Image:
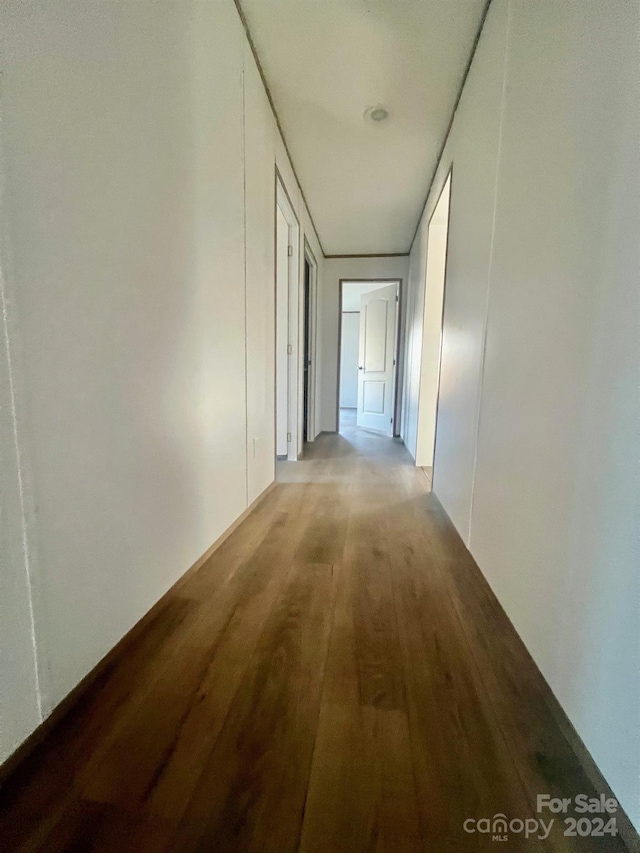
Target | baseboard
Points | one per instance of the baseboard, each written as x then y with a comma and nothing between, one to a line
11,764
626,829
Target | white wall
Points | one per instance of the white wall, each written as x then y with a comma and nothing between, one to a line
259,157
353,269
537,454
349,343
139,164
19,697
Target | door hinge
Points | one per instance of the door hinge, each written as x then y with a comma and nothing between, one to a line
397,298
290,251
289,349
288,436
394,361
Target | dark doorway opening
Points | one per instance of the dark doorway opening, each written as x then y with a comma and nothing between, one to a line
306,349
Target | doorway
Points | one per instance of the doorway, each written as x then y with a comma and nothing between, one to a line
306,362
287,253
309,295
368,355
431,356
296,272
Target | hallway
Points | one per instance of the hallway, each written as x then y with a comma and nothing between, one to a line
337,677
347,420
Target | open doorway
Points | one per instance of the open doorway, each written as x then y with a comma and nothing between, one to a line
368,355
309,345
306,361
435,283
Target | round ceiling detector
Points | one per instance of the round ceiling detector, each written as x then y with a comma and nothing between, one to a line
376,114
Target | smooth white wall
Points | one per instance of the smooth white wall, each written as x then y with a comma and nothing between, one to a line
259,158
19,698
537,454
352,269
349,342
139,163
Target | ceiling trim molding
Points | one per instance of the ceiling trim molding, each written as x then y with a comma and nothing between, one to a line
374,255
472,54
245,26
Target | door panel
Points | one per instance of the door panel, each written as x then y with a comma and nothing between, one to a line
375,342
373,397
376,368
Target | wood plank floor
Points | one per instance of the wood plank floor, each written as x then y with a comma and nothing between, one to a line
337,677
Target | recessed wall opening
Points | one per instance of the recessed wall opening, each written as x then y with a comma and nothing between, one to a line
309,330
435,281
368,358
282,301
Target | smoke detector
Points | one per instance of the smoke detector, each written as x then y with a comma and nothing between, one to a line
376,114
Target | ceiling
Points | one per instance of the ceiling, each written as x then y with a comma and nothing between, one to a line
326,62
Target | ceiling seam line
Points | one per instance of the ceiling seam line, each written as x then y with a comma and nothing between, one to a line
472,54
245,26
371,255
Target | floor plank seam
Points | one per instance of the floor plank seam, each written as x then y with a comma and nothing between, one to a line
320,704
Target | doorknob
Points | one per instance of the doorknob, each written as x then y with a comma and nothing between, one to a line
360,368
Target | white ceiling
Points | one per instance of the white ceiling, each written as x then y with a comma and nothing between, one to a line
326,62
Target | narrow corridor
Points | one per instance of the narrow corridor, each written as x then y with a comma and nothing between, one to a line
337,677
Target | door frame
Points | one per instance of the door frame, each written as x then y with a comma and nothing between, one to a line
283,201
448,177
397,347
312,332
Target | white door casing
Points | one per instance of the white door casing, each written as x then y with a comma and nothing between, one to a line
294,320
376,364
282,333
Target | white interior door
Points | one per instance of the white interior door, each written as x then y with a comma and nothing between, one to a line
376,362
